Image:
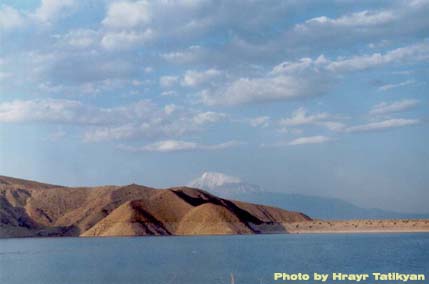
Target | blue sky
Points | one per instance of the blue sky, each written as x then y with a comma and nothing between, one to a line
316,97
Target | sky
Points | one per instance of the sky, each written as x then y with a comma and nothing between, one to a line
325,98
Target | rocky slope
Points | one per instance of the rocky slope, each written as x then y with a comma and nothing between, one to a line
31,209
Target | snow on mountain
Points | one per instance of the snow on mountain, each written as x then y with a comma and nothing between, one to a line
223,185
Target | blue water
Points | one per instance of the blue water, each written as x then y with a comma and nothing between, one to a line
207,260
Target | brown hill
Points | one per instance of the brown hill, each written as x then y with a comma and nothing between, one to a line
29,209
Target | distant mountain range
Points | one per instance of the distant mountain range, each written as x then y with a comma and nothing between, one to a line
315,206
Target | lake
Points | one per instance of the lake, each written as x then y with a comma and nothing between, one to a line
207,260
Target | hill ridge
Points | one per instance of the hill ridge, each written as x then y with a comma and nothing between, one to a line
32,209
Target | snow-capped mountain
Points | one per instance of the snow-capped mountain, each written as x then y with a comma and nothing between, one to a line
223,185
232,187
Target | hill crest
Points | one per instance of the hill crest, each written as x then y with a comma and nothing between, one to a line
31,209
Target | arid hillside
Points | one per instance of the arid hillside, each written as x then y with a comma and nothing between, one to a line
32,209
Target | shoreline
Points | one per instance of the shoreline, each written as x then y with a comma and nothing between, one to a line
358,226
346,227
228,235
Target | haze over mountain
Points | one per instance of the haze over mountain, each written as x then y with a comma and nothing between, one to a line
315,206
30,209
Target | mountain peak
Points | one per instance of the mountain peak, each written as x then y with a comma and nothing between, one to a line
222,184
210,180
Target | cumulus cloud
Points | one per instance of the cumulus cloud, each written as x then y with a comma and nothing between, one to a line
208,117
80,38
110,54
125,39
127,14
411,53
359,19
10,18
194,78
301,117
390,22
51,9
141,119
51,110
73,70
47,12
178,145
382,125
61,111
271,87
158,123
385,108
306,77
310,140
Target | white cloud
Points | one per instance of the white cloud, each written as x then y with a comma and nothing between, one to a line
398,19
392,86
305,77
178,145
333,125
359,19
51,9
126,14
385,108
189,55
300,66
121,132
411,53
81,38
141,119
208,117
194,78
260,121
168,81
301,117
167,122
269,88
61,111
125,39
382,125
310,140
169,109
169,94
10,18
418,3
47,12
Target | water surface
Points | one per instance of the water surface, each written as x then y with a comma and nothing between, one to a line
206,260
